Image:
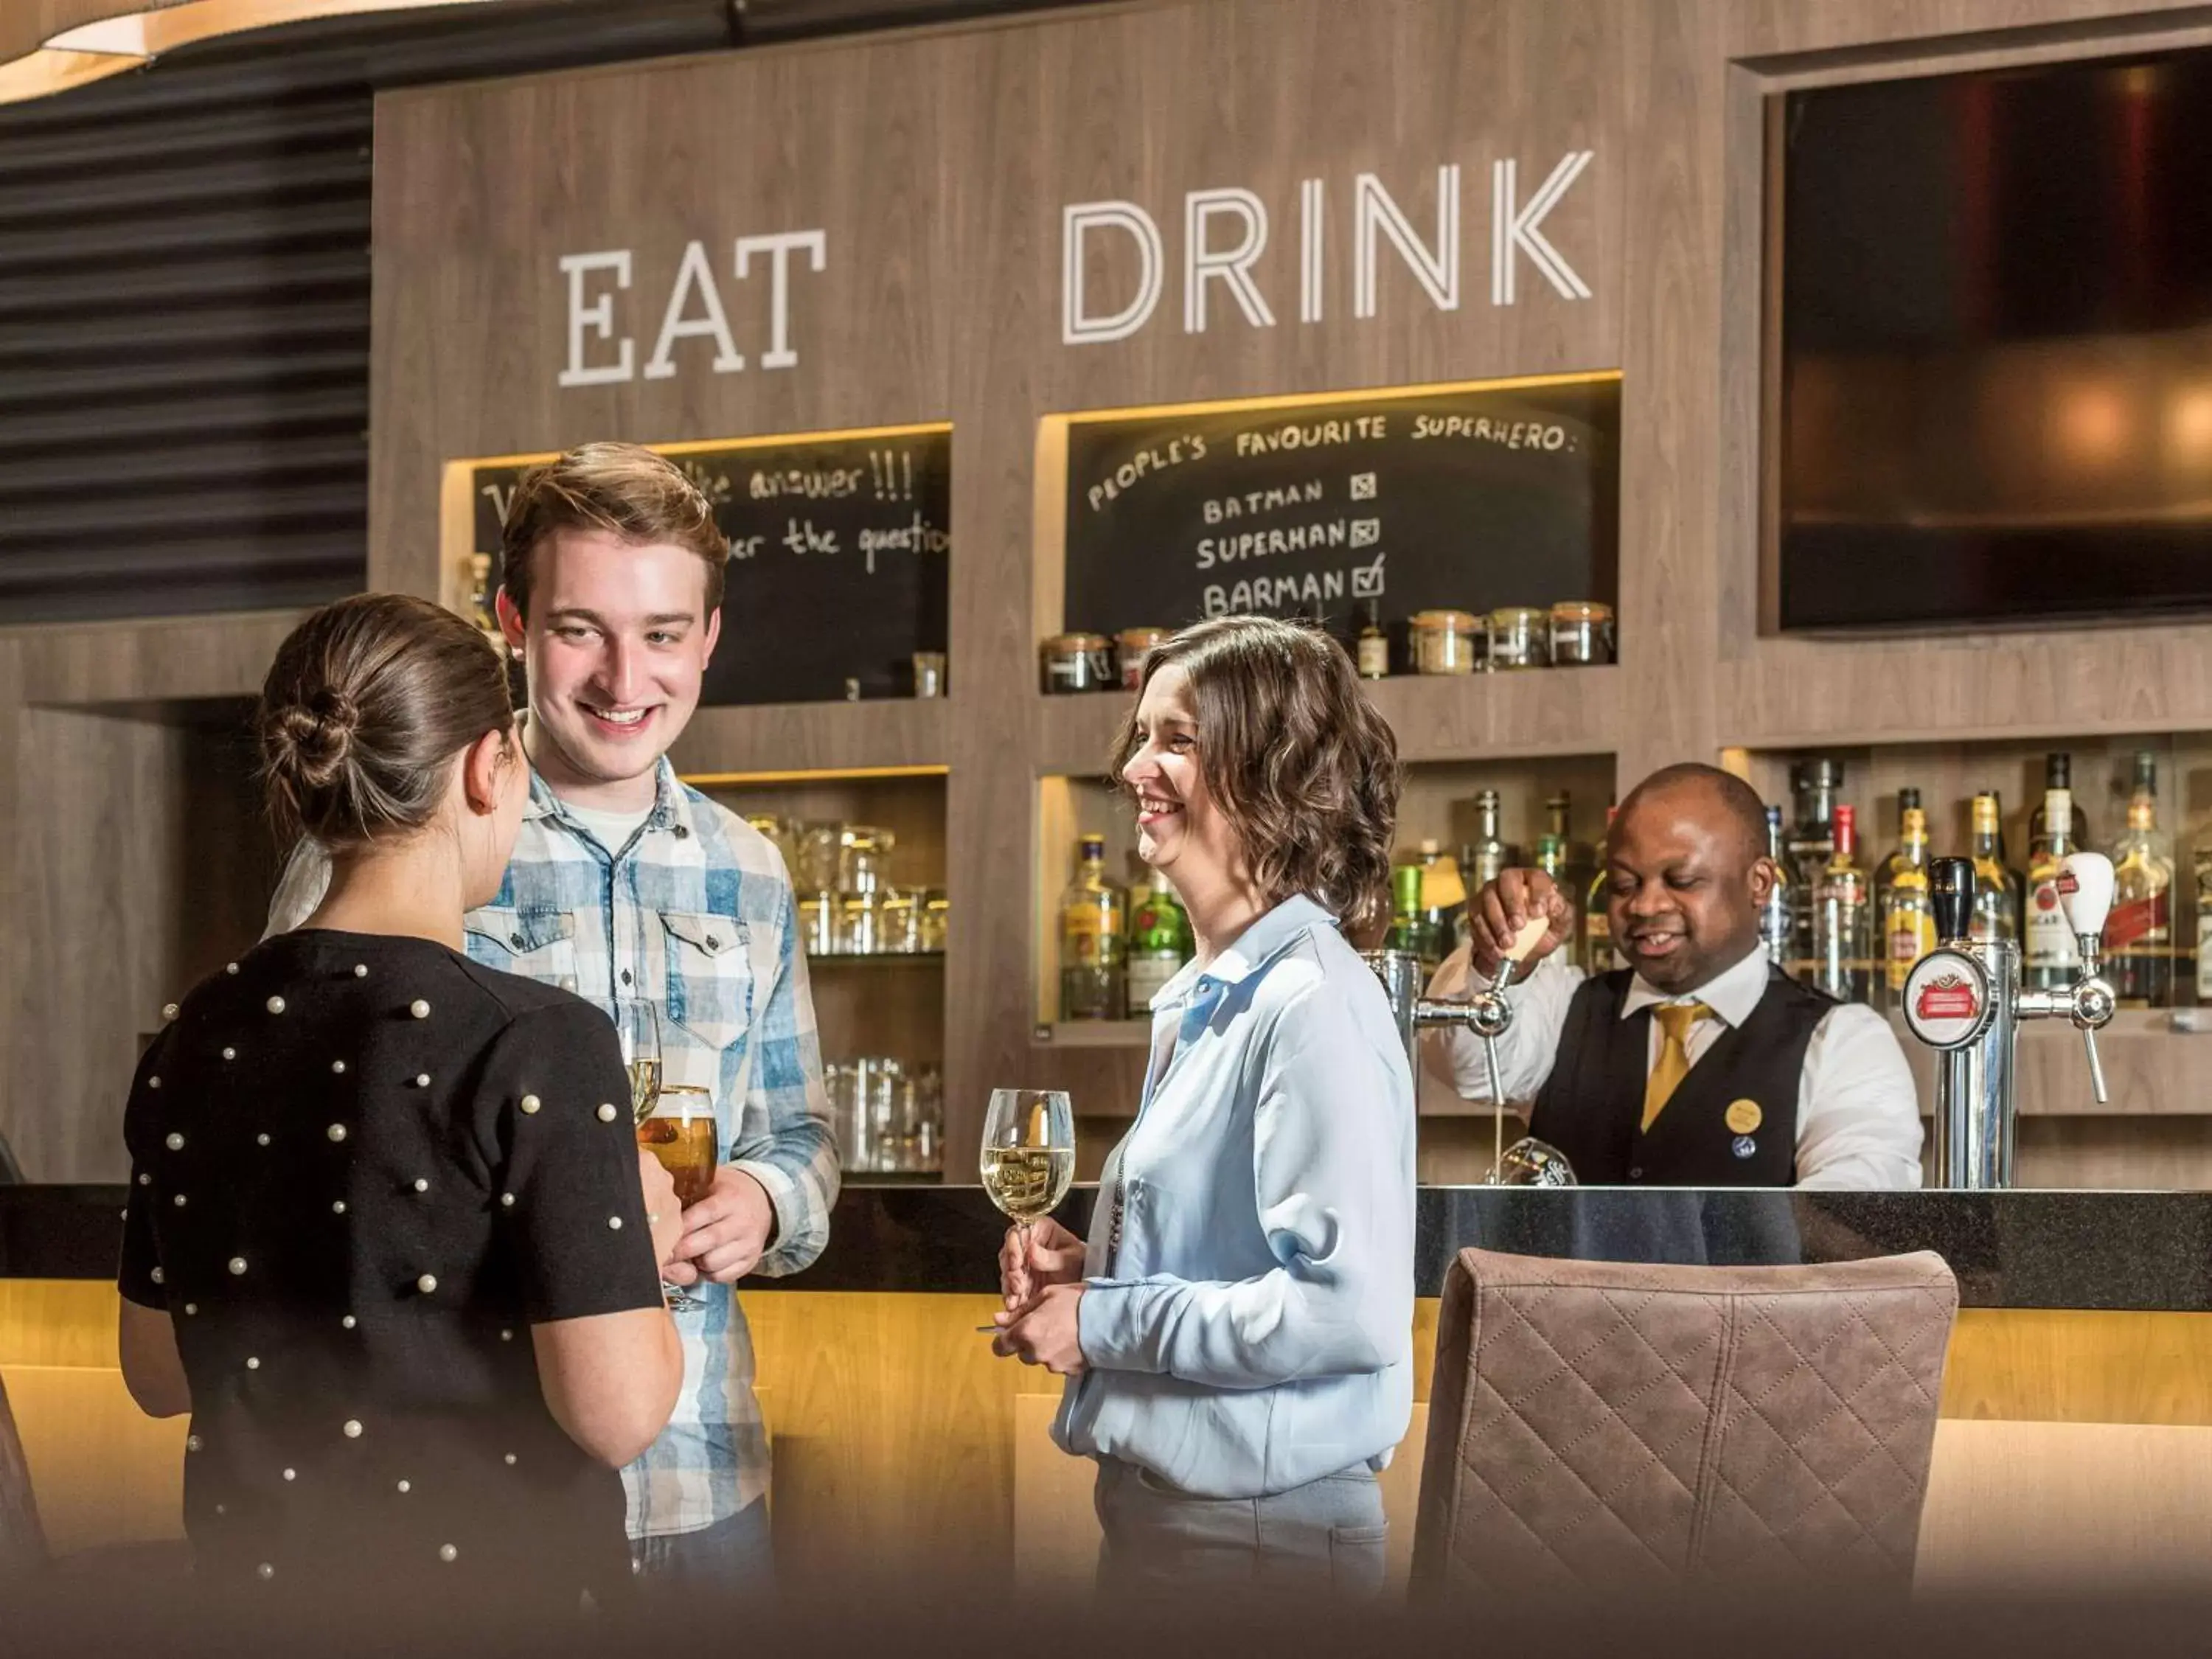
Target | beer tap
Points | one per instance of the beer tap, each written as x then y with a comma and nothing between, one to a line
1964,999
1486,1013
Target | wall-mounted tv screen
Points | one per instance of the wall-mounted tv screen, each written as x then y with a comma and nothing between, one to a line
1996,347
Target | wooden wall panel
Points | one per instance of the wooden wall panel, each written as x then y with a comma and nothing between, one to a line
941,300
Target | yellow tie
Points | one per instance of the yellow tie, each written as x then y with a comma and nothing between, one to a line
1675,1019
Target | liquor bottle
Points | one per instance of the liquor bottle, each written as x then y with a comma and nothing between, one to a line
2049,957
1579,859
1572,862
1843,919
1093,913
481,609
1487,855
1597,956
2139,934
1995,914
1810,844
1372,649
1777,919
1443,905
2057,774
1405,924
1160,943
1550,857
1902,901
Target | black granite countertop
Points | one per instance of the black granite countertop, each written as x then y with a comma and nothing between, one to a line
2013,1250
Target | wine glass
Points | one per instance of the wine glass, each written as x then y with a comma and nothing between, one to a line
683,1139
1529,1162
639,1025
679,1130
1029,1154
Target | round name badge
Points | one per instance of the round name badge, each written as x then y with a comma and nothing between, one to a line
1744,1117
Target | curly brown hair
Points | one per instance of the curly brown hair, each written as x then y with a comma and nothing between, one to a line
624,489
1305,770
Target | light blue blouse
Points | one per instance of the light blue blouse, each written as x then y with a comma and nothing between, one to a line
1250,1328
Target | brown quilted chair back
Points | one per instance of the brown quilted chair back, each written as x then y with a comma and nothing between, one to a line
1626,1428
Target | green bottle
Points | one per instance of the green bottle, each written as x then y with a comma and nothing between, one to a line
1160,943
1409,930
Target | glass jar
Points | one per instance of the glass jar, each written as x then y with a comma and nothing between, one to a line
1443,641
1582,634
1131,647
934,912
863,857
778,833
1078,662
860,924
929,673
878,1084
818,924
820,847
899,919
1519,637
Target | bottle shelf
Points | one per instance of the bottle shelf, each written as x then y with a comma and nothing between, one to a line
875,959
1436,717
1094,1033
2151,1069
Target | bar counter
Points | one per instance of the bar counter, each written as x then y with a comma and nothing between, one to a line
2075,1439
2105,1250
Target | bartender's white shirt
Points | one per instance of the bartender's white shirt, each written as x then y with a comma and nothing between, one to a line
1858,1116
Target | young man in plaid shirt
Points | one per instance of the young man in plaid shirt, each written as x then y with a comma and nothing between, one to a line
627,886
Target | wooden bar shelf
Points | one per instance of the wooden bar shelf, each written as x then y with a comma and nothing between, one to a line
887,737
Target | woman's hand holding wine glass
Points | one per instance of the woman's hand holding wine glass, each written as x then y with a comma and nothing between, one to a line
1029,1158
1033,1259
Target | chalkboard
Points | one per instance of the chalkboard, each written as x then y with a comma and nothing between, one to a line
837,560
1464,498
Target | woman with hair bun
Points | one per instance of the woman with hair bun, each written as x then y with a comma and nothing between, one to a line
390,1239
1238,1332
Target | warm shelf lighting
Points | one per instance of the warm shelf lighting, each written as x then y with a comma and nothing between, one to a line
108,45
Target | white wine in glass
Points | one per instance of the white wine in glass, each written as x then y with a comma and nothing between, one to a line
1029,1151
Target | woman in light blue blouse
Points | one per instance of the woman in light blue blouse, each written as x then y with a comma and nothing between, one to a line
1237,1332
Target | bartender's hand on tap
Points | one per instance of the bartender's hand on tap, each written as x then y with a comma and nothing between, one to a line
1497,914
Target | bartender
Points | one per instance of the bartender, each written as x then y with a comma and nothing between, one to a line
1699,1063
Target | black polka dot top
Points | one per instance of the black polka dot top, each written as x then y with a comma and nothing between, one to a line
362,1166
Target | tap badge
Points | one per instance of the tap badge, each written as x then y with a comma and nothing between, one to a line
1947,996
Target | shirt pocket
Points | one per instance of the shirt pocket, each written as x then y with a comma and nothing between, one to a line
540,944
710,976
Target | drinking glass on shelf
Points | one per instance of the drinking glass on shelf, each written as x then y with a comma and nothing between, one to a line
1029,1153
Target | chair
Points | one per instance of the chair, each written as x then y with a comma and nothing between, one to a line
1626,1428
22,1542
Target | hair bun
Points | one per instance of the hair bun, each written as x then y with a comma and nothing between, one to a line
316,736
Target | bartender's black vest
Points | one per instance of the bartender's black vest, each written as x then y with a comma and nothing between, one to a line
1592,1106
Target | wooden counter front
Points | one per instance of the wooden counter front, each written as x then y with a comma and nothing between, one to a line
901,1443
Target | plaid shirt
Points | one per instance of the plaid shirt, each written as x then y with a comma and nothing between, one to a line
695,914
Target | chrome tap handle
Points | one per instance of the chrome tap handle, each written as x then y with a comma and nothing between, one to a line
1496,1083
2096,1070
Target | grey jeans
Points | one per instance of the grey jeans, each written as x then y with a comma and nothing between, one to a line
1325,1537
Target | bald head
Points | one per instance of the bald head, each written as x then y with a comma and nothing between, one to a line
1685,875
1707,790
